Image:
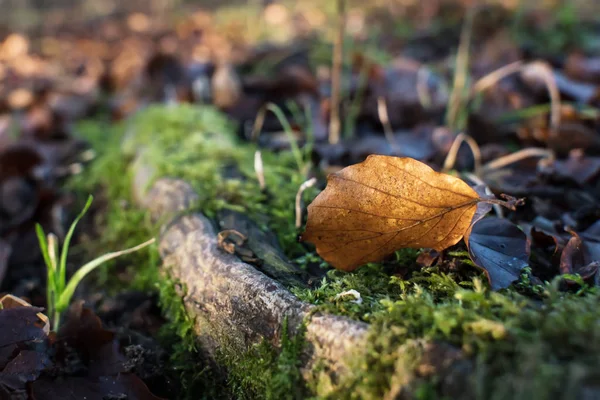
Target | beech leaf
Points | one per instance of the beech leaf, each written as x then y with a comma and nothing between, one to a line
369,210
500,248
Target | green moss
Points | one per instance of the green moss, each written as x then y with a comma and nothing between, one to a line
378,283
119,224
198,145
520,349
189,366
266,372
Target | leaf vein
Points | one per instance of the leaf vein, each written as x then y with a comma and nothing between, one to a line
427,183
365,212
397,196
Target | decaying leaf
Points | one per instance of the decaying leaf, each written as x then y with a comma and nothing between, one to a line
580,256
23,345
500,248
371,209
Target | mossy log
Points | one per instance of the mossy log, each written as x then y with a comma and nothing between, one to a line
233,303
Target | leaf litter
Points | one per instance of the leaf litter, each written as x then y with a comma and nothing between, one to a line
81,360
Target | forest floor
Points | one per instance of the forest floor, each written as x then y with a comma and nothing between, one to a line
239,102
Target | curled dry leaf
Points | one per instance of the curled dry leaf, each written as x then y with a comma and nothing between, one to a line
371,209
580,256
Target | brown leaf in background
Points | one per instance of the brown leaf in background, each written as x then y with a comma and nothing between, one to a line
371,209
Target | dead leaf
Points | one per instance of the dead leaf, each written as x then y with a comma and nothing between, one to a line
500,248
25,367
580,257
122,386
371,209
578,167
20,325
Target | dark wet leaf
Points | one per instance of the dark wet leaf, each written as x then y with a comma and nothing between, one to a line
544,240
122,386
578,167
20,325
593,232
97,346
500,248
25,367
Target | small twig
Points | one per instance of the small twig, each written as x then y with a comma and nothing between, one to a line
503,161
385,121
259,169
336,75
309,183
493,77
453,152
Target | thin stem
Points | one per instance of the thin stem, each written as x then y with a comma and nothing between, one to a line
309,130
461,71
517,156
259,121
309,183
259,169
385,121
477,180
355,104
453,152
336,74
511,204
289,132
543,71
496,75
56,315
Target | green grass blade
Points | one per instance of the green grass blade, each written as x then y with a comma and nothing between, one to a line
41,235
62,271
287,128
69,290
50,268
456,113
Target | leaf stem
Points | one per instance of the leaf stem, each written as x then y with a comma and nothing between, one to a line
511,202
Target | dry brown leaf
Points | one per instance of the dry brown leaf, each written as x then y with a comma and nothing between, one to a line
371,209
